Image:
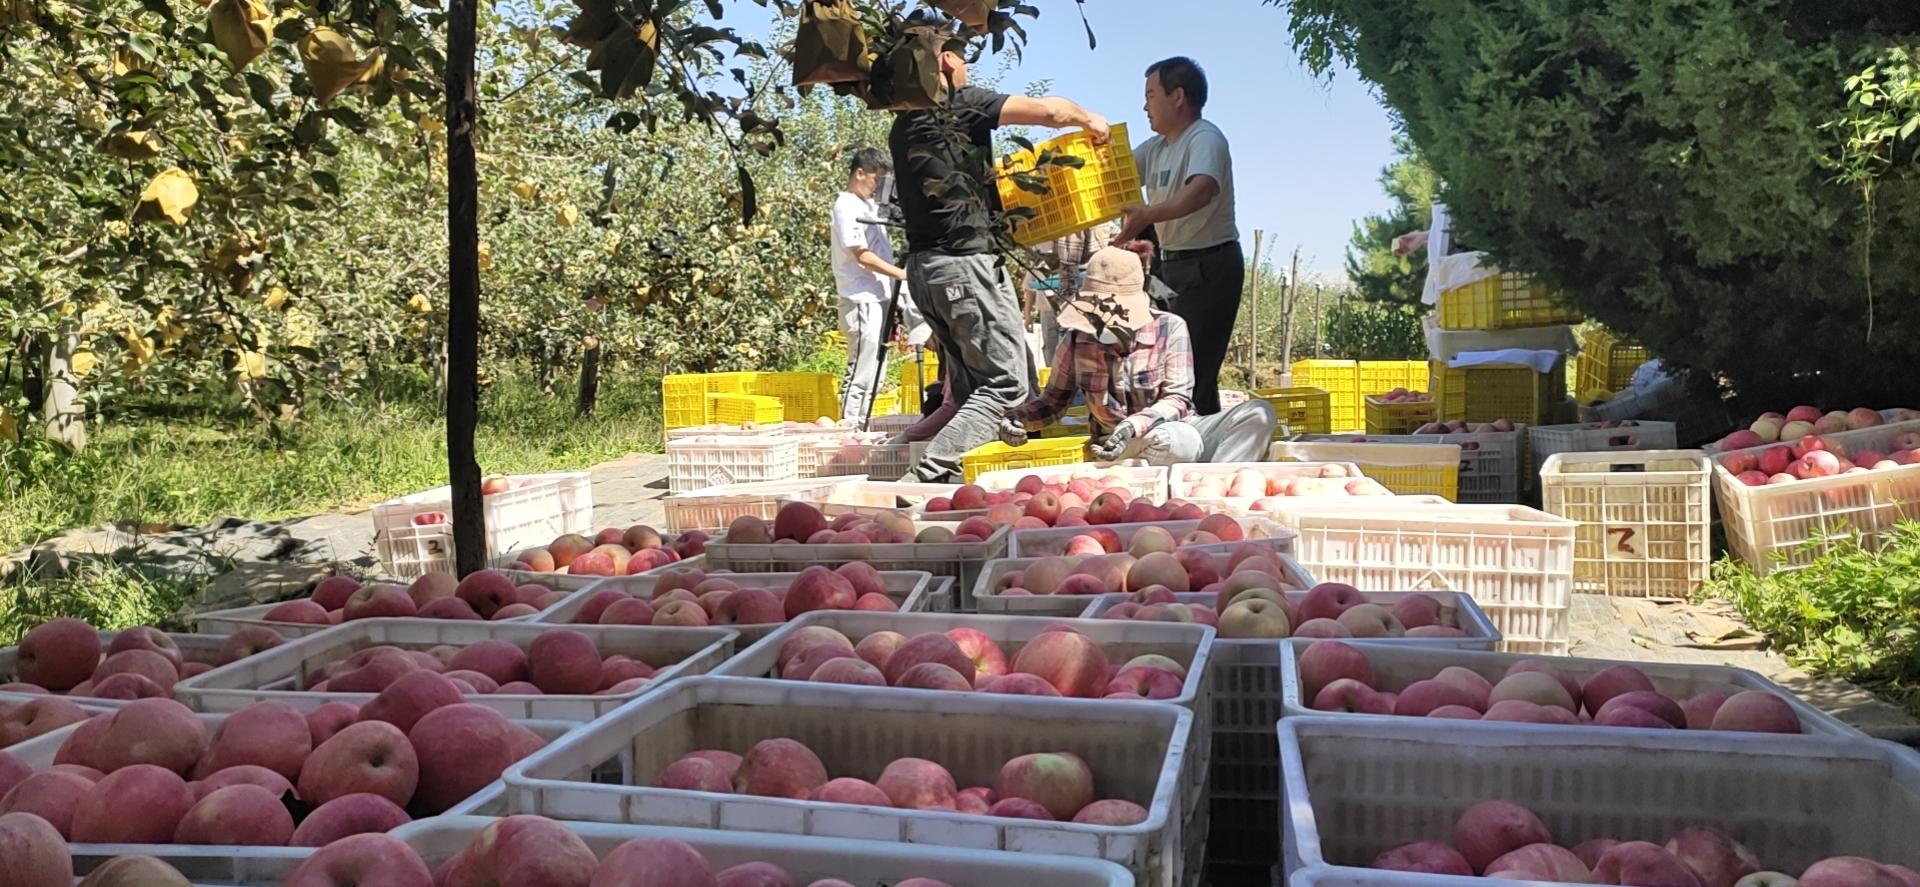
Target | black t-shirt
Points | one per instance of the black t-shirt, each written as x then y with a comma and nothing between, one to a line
922,153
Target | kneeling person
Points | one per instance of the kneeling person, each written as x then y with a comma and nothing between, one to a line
1135,366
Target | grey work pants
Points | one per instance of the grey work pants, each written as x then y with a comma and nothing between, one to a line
970,303
1241,434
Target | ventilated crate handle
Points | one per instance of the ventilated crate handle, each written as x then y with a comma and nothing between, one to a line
1627,468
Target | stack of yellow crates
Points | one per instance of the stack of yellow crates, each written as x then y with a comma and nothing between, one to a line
1520,394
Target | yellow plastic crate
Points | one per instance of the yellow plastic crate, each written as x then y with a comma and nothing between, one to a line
1382,376
1418,469
730,383
1606,362
683,400
887,404
803,396
997,456
1340,379
914,374
1508,301
1300,410
739,409
1100,190
1488,393
1384,417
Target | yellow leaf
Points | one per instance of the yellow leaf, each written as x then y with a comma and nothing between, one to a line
250,364
524,189
131,145
82,362
226,338
276,296
430,123
9,426
567,215
118,228
239,29
486,256
330,63
126,62
171,194
420,304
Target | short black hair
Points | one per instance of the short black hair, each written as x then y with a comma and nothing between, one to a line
870,160
1182,73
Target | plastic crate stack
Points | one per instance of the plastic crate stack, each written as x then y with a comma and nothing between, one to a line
1299,410
1605,365
688,400
1519,393
413,534
1340,379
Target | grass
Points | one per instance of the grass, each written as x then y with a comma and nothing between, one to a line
1854,613
184,464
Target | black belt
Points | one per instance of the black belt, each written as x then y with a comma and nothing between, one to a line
1177,255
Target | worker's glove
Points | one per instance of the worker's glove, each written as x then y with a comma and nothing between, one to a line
1116,443
1013,433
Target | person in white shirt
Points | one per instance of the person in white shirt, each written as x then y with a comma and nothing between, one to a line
863,271
1187,169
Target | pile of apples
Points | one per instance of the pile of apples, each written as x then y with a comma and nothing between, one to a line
688,596
1499,839
1402,395
611,552
1269,487
483,595
1338,677
1497,426
562,662
1249,609
1213,530
1036,506
1813,457
65,657
152,773
1804,420
1061,661
1051,786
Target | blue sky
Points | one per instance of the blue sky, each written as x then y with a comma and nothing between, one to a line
1307,154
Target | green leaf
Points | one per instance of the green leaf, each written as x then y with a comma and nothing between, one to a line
261,89
326,181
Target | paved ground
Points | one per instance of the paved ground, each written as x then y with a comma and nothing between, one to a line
262,561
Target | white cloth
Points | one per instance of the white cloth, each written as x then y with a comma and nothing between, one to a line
1439,233
1538,361
1453,272
856,282
1444,344
1166,166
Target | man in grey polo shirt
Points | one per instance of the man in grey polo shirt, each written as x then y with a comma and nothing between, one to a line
1188,174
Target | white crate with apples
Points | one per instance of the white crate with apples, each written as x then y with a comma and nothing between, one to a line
1144,481
1248,684
52,642
909,591
1107,577
225,865
697,463
1780,503
1244,483
1490,461
873,498
158,740
1357,788
995,644
1516,562
495,650
1694,691
856,454
962,555
815,732
1599,437
1056,540
804,859
413,534
277,616
1646,519
713,508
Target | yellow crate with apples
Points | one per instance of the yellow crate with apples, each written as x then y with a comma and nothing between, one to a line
1387,415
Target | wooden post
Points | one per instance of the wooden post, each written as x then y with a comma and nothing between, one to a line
1288,297
1319,317
66,421
463,292
589,379
1253,326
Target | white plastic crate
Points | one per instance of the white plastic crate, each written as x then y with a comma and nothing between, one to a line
1776,527
193,648
961,560
830,457
876,497
986,600
1182,478
1144,481
713,508
1187,644
1053,540
1546,440
1645,519
912,590
1516,562
1478,628
1490,462
696,463
1359,786
1395,667
806,859
280,673
1408,469
1247,686
1135,750
226,622
551,505
227,864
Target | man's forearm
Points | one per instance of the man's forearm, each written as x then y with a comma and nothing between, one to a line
872,262
1067,113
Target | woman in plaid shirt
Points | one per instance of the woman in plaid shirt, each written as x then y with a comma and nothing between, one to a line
1135,367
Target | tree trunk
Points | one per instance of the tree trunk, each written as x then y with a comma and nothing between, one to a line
463,292
546,368
589,379
1288,297
66,419
1253,339
33,373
